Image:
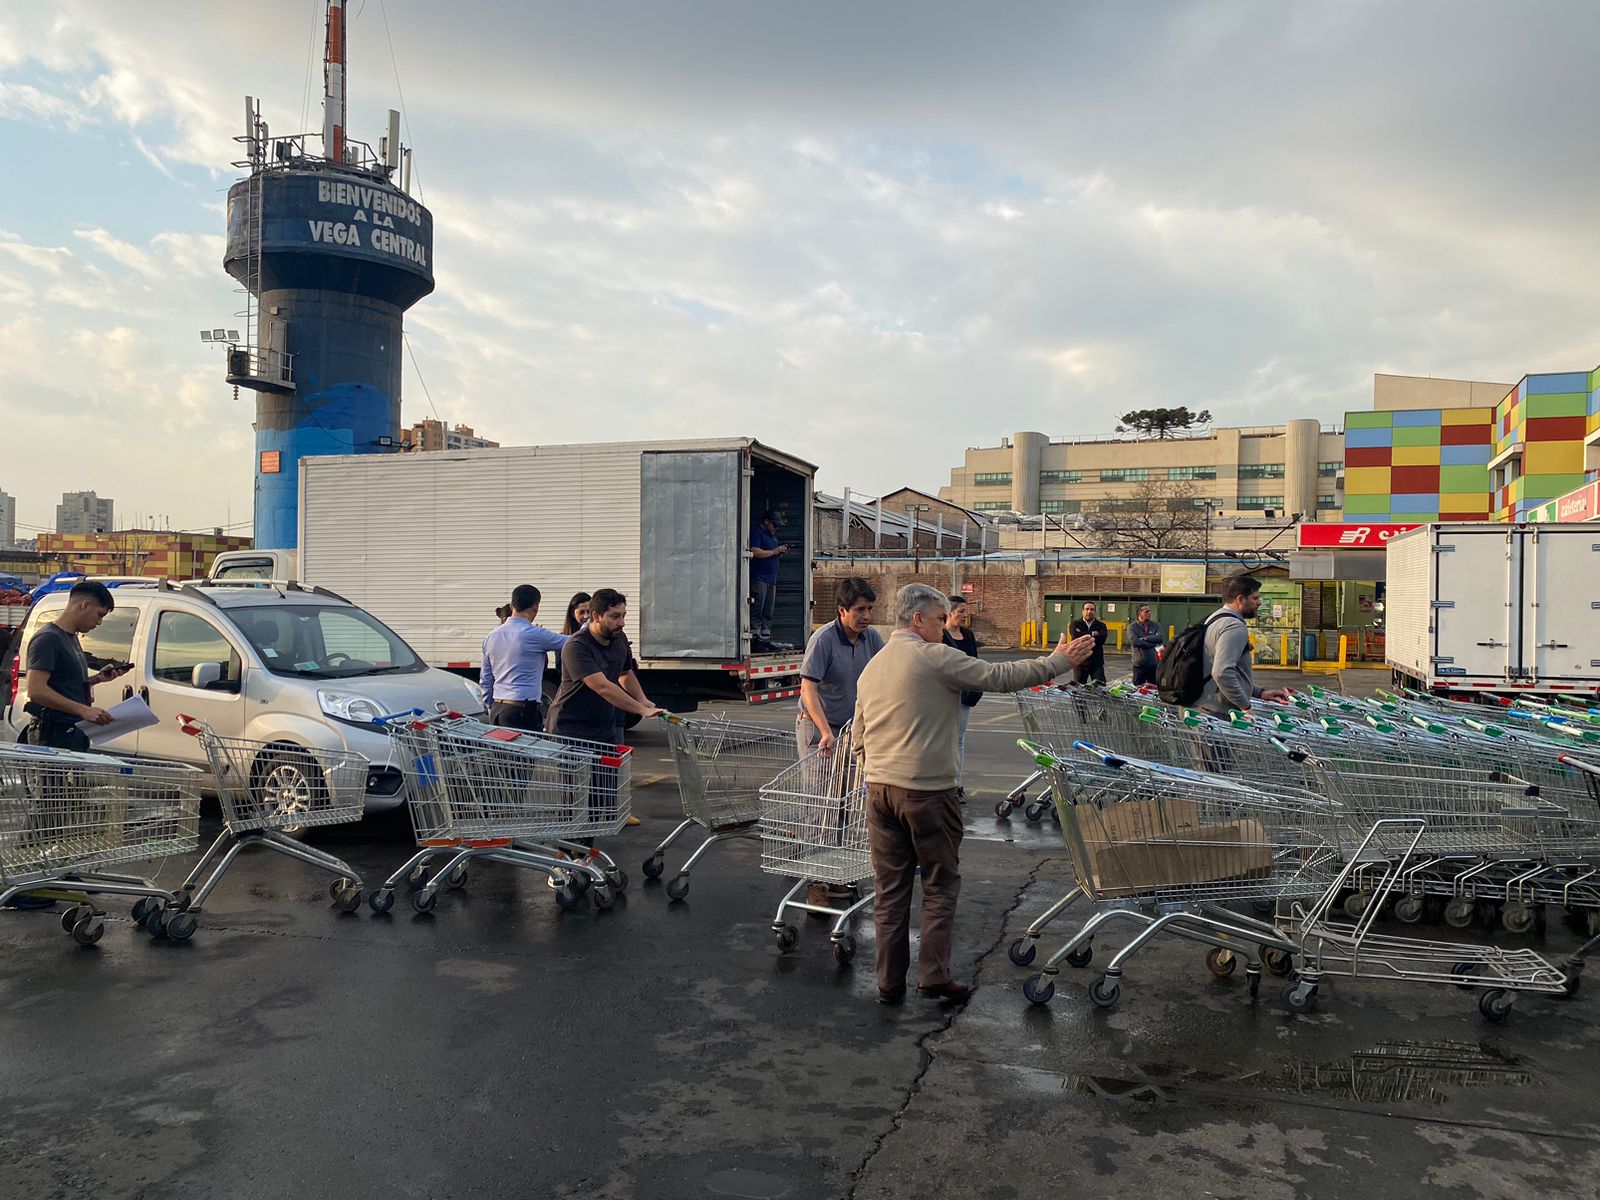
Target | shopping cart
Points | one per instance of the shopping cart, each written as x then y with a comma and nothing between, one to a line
66,817
488,793
721,769
1169,849
266,788
814,830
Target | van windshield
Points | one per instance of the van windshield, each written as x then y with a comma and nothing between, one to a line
325,642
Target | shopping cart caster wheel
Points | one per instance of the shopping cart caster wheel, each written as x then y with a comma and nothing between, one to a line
418,878
787,937
1355,904
653,866
1465,968
1409,909
1458,913
619,880
155,922
570,896
70,918
1035,811
457,879
346,894
1574,969
1253,974
423,900
89,930
1264,908
1038,989
381,900
1002,809
1495,1005
844,950
678,887
1517,917
604,897
1221,963
182,926
1104,992
1082,956
1300,998
1279,962
141,908
1023,951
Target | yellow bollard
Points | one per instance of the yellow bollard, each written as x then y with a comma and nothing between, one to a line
1172,632
1044,635
1283,650
1344,651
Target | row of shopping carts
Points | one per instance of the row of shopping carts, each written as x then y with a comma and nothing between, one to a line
1317,818
477,794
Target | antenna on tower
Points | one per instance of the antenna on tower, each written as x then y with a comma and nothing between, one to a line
333,107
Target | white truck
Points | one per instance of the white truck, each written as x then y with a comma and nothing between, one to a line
1481,607
432,543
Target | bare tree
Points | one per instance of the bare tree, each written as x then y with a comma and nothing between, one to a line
1160,518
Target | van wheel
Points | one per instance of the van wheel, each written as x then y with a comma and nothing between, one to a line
285,782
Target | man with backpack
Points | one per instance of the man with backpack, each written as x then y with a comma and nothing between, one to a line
1229,675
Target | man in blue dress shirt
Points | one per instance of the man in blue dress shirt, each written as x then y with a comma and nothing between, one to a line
514,660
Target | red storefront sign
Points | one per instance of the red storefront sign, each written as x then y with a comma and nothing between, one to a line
1581,505
1347,536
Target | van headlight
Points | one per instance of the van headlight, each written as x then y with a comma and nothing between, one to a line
343,706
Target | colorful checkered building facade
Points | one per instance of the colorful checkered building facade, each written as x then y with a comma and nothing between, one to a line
1434,464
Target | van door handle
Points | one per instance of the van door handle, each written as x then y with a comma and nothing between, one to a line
127,691
144,694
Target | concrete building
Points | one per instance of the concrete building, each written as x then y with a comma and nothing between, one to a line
8,521
429,435
1391,393
84,512
172,553
1291,468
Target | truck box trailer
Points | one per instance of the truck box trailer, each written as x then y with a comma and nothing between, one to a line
432,543
1481,607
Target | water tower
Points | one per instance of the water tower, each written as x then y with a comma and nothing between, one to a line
330,250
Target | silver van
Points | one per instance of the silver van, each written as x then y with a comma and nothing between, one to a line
272,662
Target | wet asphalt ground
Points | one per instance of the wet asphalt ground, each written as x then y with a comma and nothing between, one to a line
502,1048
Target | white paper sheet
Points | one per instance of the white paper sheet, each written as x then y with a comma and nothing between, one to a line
129,716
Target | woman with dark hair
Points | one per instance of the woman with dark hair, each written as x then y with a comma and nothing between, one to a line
577,613
503,612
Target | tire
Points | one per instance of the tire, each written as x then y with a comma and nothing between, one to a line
347,898
1279,961
653,866
1495,1005
603,897
155,922
89,930
787,937
1409,909
1355,904
1038,989
73,915
677,887
1035,811
1518,917
844,949
458,878
1300,998
287,780
141,908
1002,809
1221,963
423,900
1023,951
1105,991
570,896
381,900
619,880
1082,956
419,878
1465,968
182,925
1459,912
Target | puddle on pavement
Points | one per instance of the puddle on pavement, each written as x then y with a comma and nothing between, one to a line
747,1185
1422,1073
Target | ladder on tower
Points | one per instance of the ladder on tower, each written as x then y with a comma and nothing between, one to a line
265,367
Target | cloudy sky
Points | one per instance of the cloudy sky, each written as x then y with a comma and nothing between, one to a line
870,233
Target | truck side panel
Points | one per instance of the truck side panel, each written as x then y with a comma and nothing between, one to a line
1475,632
691,549
1561,590
1408,631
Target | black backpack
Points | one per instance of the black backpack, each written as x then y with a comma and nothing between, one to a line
1181,677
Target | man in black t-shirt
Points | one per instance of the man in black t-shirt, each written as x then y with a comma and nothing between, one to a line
599,686
60,688
1091,626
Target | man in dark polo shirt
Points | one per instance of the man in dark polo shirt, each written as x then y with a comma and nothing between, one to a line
60,688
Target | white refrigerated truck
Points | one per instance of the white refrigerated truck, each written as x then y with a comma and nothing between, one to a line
432,543
1481,607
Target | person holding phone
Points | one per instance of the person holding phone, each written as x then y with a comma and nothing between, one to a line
60,688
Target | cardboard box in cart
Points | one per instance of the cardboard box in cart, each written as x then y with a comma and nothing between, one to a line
1474,607
1143,846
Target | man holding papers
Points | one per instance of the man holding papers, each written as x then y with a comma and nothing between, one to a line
60,688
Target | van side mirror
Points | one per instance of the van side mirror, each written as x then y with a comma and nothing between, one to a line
205,674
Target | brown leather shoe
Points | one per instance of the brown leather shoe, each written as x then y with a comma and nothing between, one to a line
950,993
893,996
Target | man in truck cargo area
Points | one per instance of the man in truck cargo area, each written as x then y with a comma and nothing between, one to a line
766,551
512,675
1227,670
907,706
60,688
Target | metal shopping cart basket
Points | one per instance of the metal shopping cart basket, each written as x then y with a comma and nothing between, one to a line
814,830
266,788
66,817
1169,849
487,793
722,766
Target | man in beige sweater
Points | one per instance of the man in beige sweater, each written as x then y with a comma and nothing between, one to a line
907,706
